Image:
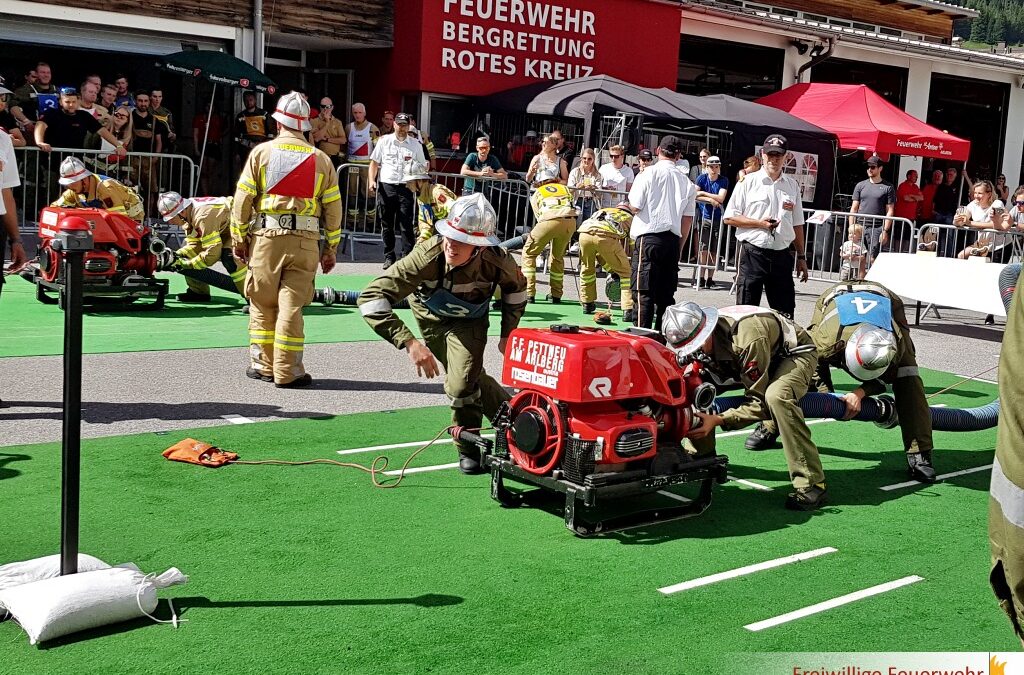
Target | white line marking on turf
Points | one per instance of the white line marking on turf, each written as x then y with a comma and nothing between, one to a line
422,469
673,495
833,603
414,444
912,483
749,483
747,569
237,419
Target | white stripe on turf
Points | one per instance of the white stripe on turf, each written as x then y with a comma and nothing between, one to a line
422,469
747,569
673,495
954,474
237,419
413,444
833,603
750,483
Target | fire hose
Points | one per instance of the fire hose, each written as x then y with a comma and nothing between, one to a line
882,410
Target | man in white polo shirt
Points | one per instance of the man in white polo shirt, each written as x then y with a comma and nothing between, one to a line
664,201
396,203
765,209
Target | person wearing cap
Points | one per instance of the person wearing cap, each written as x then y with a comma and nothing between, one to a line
388,164
286,199
329,133
644,160
87,190
663,202
603,241
207,225
67,126
712,189
766,211
449,281
773,360
361,136
861,327
874,196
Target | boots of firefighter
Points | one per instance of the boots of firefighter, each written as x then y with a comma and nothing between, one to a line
469,463
807,498
919,466
589,307
197,291
628,316
765,436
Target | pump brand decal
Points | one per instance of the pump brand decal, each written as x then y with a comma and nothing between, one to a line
537,363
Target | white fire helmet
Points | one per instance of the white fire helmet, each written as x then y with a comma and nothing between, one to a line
171,204
870,351
72,170
416,171
293,112
686,326
471,220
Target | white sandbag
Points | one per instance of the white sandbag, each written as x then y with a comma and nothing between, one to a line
51,608
37,569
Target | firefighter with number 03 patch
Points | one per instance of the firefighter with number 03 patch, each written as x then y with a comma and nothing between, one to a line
293,189
449,280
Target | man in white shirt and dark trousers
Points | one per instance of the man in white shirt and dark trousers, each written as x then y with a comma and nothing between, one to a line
765,209
396,204
664,201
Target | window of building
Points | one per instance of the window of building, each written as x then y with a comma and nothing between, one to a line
815,17
708,66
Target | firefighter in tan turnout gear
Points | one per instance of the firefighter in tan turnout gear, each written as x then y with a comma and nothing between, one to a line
449,280
293,189
207,225
556,221
88,190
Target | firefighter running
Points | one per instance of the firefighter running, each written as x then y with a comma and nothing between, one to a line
207,225
602,240
294,190
87,190
449,280
773,360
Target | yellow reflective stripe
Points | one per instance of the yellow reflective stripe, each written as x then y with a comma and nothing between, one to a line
116,209
261,337
239,230
290,340
332,194
261,179
256,331
246,186
197,263
239,274
556,275
333,237
210,239
288,348
588,278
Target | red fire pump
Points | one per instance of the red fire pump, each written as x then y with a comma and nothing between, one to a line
599,416
121,265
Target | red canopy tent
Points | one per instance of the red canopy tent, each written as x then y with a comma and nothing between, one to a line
863,120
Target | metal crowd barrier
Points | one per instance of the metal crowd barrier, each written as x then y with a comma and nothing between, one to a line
951,241
149,173
823,241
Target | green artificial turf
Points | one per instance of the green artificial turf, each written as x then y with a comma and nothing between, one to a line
31,328
312,570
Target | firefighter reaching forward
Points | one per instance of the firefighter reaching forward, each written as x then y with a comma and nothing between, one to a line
773,360
293,188
86,189
450,279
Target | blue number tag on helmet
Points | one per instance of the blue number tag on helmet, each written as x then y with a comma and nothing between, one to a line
854,308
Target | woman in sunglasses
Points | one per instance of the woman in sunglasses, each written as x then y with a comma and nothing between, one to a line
1002,189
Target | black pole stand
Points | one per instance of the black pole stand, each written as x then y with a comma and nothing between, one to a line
74,244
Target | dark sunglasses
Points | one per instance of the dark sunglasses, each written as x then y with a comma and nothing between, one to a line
326,106
616,156
1019,202
120,116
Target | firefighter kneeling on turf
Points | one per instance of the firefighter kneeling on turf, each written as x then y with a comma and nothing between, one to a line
449,280
773,360
207,225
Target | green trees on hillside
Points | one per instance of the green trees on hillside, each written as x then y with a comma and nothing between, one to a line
998,21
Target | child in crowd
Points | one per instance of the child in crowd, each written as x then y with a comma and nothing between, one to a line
929,239
853,255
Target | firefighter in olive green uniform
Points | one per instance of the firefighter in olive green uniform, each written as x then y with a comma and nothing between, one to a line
773,360
294,190
556,221
207,225
602,240
1006,493
449,280
860,327
86,189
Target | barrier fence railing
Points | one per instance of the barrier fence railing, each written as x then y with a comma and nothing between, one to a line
952,241
825,232
149,173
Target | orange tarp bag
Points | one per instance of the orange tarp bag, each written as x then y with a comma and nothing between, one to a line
196,452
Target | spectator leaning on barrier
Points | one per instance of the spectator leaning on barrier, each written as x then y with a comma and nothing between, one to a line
583,181
615,176
663,201
396,202
712,189
766,211
928,197
874,196
361,136
984,213
329,133
68,126
481,164
546,166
